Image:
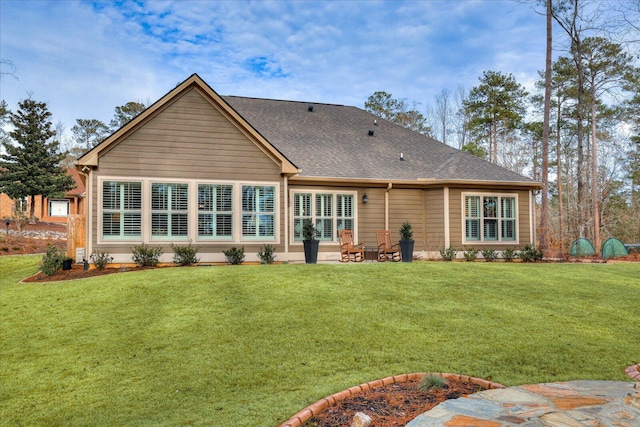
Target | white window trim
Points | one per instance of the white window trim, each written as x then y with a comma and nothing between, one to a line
192,212
490,242
65,201
313,193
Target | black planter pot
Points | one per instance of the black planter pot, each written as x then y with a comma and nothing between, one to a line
66,264
406,249
311,251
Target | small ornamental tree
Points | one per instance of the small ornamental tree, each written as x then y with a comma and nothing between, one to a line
32,162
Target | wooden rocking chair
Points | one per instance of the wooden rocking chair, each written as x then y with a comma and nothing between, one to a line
386,250
350,251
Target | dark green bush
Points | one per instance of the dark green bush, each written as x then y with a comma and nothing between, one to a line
185,255
448,254
489,255
267,254
470,254
406,231
530,254
509,254
52,260
234,255
100,259
146,256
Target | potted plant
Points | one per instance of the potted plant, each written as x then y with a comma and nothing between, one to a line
406,242
310,242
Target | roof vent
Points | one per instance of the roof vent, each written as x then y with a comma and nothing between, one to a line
375,122
310,108
402,157
370,133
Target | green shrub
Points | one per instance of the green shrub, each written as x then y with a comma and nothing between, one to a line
448,254
52,260
470,254
431,382
100,259
185,255
489,255
509,254
406,231
145,256
234,255
530,254
309,231
267,254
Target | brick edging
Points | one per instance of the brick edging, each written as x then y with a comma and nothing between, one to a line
634,372
310,411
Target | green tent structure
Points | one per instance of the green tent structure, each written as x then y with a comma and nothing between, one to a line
582,247
613,248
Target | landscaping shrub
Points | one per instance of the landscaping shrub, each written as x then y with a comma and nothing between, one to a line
100,259
530,254
432,381
489,255
52,260
267,254
470,254
185,255
146,256
509,254
234,255
448,254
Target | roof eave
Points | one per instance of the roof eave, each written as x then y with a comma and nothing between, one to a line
420,182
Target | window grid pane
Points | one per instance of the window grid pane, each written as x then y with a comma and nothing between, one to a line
169,209
215,211
258,211
324,216
121,209
496,219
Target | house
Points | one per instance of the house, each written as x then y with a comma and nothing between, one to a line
225,171
50,209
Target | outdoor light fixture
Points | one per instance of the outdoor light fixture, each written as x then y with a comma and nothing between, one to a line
365,199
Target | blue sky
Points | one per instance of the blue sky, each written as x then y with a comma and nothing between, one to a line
86,58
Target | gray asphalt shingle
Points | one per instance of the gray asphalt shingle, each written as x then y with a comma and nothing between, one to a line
334,141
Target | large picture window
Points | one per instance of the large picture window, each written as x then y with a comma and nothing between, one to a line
489,218
329,212
169,210
121,210
215,211
258,212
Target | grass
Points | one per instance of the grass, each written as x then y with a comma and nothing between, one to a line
252,345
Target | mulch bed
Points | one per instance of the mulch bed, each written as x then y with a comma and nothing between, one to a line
391,405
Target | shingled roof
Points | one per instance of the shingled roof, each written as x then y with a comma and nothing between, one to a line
345,142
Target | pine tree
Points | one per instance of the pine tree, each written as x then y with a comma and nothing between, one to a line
32,164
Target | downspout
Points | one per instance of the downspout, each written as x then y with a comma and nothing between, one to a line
286,218
447,228
386,206
88,210
532,222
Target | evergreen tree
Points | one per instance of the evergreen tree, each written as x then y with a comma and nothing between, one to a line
89,132
125,113
31,165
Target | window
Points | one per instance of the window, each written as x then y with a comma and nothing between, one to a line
490,218
121,209
215,214
258,212
169,210
328,212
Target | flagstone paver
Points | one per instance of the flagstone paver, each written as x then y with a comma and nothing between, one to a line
564,404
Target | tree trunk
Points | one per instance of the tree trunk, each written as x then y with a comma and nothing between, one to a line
594,177
543,238
32,210
560,195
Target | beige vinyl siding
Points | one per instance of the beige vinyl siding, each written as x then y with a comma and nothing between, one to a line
188,140
408,205
456,220
434,211
189,135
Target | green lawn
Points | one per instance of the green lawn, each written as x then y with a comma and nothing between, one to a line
252,345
